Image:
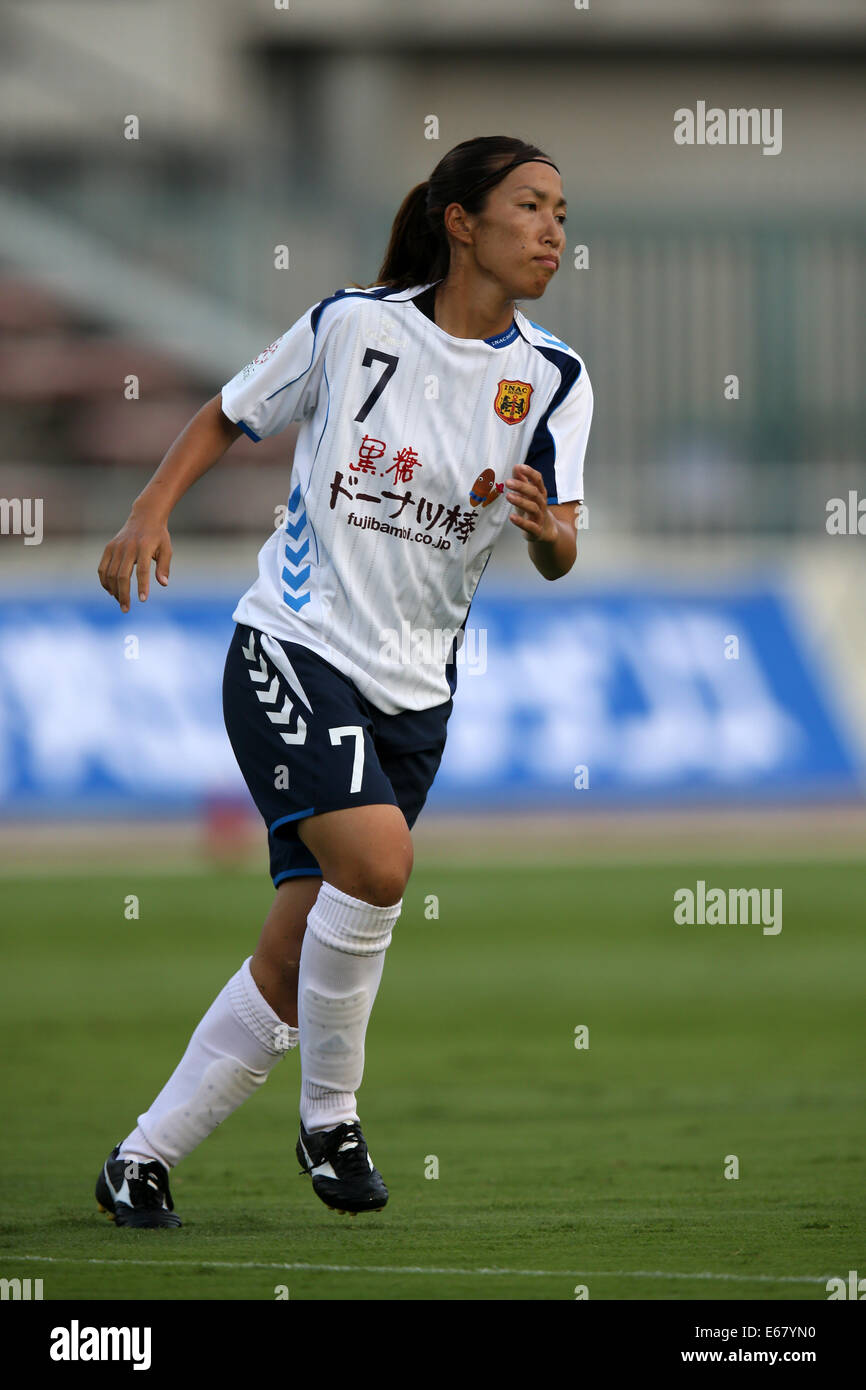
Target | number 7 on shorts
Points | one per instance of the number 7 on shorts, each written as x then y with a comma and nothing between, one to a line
357,733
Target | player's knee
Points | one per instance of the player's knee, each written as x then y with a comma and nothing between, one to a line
382,885
382,881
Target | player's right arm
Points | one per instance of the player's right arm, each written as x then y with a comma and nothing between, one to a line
277,387
145,536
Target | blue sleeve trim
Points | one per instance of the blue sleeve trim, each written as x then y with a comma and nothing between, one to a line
256,438
550,337
541,453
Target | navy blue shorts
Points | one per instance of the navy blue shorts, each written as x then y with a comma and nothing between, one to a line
307,741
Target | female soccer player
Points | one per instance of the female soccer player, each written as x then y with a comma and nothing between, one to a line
427,404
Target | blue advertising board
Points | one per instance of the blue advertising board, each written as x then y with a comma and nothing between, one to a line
612,697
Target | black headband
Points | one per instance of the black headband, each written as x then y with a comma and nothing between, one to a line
498,174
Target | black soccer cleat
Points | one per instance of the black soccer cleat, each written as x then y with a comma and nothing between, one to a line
132,1193
341,1168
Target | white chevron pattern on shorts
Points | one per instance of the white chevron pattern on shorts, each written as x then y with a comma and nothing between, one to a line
272,695
278,658
268,696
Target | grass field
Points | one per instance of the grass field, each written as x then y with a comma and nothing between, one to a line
557,1166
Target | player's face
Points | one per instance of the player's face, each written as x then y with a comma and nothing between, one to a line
519,236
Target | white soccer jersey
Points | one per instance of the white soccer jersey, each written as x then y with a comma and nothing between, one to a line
407,438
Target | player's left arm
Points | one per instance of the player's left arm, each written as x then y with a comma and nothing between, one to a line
549,528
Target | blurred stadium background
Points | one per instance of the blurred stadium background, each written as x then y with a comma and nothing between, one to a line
154,258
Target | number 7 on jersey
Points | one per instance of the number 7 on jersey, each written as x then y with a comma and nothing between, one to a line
371,356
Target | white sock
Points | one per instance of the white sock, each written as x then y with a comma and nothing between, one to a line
342,958
228,1057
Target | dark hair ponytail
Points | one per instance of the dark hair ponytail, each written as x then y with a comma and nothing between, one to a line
418,252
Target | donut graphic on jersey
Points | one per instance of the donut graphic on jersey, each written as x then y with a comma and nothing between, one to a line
485,489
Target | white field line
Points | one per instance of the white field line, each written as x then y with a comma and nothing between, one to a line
193,1263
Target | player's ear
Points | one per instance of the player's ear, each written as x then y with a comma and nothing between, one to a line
456,222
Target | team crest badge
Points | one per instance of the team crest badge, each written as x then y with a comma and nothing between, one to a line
512,401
